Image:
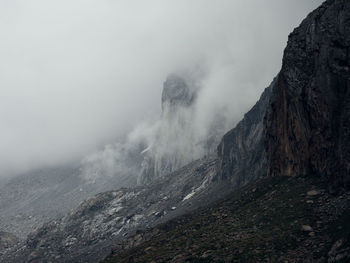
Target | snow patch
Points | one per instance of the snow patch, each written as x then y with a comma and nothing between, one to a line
202,186
146,150
188,196
114,210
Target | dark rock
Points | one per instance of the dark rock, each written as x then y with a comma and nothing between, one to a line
307,123
241,151
236,238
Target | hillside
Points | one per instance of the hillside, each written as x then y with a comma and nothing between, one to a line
277,219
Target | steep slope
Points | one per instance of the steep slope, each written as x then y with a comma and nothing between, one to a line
241,151
308,120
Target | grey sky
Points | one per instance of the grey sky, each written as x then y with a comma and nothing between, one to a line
75,74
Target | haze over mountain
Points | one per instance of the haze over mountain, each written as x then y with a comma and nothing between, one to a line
197,180
75,75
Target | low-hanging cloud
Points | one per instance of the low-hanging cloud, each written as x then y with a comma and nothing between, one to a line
75,75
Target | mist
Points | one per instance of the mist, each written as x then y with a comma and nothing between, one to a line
78,75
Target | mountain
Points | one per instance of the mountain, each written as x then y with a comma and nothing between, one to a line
277,190
38,196
89,232
300,211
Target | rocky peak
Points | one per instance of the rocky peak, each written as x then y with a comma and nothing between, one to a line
307,123
176,143
177,92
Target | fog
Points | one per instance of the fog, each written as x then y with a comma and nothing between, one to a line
76,75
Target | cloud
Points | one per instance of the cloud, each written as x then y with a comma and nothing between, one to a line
75,75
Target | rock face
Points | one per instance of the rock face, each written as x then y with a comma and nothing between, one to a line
171,149
241,151
308,120
177,141
177,92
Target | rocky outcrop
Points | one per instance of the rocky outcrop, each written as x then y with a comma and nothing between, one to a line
177,92
241,151
308,120
177,141
171,148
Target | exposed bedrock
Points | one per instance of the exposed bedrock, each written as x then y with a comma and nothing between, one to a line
307,123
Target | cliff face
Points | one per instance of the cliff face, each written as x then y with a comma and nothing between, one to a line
307,123
241,152
171,148
177,92
176,142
